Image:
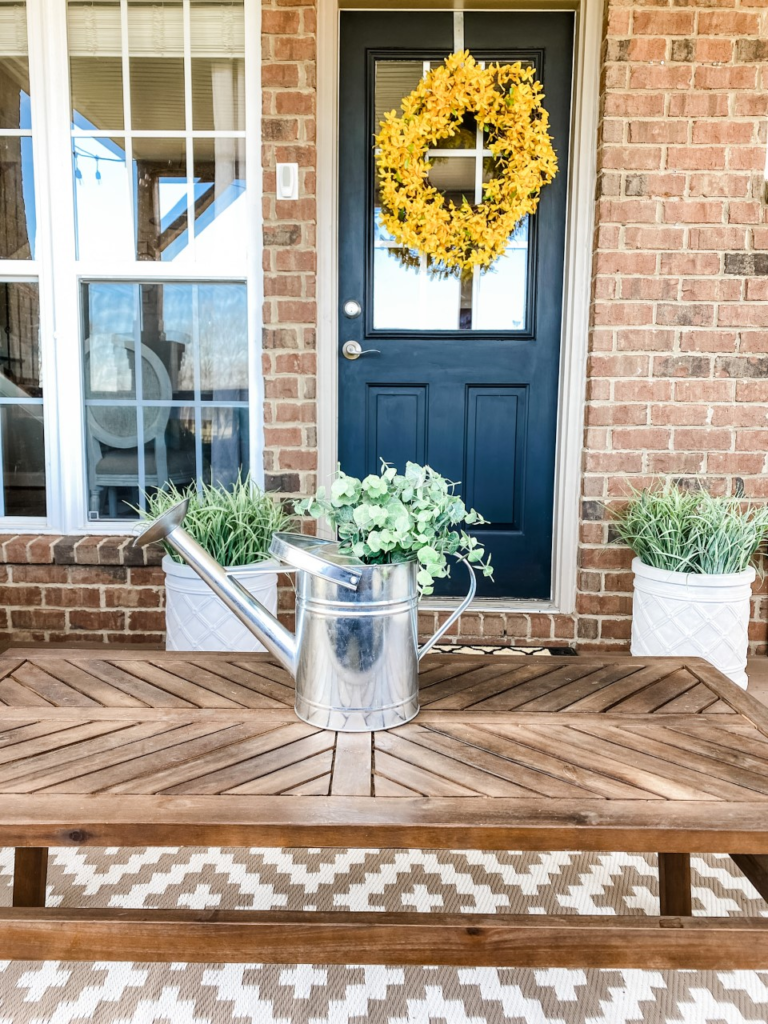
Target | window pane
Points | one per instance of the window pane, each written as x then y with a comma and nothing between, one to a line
95,65
20,368
160,189
218,94
14,67
454,176
97,92
225,445
394,80
22,440
113,461
102,209
220,215
156,47
503,288
23,447
409,295
151,420
18,223
223,326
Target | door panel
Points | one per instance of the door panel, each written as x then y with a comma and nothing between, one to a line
465,376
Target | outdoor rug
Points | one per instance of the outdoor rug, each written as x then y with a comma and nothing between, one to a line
428,881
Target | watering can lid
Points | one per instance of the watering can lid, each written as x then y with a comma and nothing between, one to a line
318,557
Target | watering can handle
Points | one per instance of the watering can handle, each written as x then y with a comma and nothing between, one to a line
298,551
452,618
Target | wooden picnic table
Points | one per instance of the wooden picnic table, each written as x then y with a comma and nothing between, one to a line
134,748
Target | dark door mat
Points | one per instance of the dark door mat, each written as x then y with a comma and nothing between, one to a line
505,649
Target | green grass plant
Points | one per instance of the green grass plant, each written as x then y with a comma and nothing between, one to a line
234,525
692,531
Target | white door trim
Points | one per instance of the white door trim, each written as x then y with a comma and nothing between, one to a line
578,267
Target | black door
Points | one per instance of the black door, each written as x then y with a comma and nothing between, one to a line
466,373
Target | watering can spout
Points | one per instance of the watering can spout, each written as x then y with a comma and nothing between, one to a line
261,622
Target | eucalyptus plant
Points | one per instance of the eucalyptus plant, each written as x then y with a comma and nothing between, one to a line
396,517
692,531
235,525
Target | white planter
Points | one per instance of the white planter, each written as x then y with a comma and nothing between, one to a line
689,614
197,620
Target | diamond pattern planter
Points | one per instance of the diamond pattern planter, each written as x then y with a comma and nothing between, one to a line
197,620
688,614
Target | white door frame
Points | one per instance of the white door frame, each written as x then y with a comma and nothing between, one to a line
578,267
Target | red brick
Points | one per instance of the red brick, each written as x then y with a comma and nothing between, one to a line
132,597
658,132
696,158
663,77
37,618
690,263
728,23
21,595
663,23
685,315
147,621
641,438
94,620
687,211
653,237
628,158
39,574
72,597
698,104
703,439
739,76
722,132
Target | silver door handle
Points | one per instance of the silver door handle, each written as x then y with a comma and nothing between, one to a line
353,350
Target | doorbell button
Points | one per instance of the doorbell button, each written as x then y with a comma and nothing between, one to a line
287,181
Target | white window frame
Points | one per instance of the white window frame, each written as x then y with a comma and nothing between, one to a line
61,276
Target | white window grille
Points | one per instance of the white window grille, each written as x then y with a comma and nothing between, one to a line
147,241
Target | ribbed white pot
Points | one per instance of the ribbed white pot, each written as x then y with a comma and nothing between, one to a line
197,620
691,614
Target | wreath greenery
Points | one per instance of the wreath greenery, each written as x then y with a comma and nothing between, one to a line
507,103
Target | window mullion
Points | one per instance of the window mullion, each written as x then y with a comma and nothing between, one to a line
60,349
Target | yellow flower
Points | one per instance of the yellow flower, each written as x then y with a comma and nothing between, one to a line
507,103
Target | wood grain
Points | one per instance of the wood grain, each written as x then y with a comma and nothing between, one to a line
505,940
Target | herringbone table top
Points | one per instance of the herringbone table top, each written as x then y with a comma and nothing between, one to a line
123,748
555,743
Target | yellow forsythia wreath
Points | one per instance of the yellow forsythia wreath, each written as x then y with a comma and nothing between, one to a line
506,101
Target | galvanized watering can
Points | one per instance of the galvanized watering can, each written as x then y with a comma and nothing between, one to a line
355,656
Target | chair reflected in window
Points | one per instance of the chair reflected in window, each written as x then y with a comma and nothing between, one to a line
125,454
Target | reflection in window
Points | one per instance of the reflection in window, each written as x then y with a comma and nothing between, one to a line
17,190
166,389
160,198
22,437
102,211
220,216
179,67
411,292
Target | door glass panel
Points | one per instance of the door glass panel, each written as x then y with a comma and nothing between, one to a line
410,291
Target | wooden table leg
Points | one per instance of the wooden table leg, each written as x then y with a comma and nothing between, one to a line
675,884
30,871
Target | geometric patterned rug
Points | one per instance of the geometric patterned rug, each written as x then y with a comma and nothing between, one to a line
451,881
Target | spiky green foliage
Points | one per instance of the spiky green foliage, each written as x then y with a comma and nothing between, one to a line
234,525
394,517
692,531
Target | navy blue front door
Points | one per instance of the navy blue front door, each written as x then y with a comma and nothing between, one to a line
464,372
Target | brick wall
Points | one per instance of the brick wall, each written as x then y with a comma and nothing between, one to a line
80,588
290,259
678,361
678,370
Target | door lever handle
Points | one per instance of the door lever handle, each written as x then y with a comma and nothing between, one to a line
353,350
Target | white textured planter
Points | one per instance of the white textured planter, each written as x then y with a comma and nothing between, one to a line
684,614
197,620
